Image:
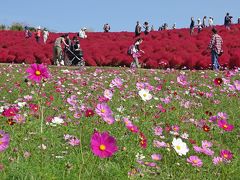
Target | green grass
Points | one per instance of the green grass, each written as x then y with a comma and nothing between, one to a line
62,161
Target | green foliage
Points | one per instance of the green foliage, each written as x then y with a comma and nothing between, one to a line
16,27
3,27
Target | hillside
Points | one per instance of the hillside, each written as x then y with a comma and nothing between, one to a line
172,48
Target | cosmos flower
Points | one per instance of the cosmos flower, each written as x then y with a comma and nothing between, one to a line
4,140
181,79
19,119
109,119
180,146
226,154
217,160
117,82
145,95
218,81
37,72
237,85
225,126
108,94
103,145
103,110
156,157
195,161
89,113
10,112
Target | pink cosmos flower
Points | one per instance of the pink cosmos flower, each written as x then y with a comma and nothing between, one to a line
237,84
181,79
226,154
195,161
175,128
74,142
217,160
197,149
158,131
222,115
11,111
103,110
159,144
19,119
77,114
206,144
102,99
108,94
224,125
132,128
156,157
103,145
109,119
208,151
72,100
4,140
117,82
37,72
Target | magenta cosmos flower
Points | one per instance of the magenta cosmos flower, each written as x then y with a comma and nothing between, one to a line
195,161
37,72
9,112
103,145
226,154
225,126
4,140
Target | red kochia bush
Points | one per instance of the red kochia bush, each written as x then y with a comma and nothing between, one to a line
172,48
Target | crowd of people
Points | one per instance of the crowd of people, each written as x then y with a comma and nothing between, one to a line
73,50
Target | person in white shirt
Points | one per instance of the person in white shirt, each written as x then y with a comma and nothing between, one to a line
210,21
82,33
45,35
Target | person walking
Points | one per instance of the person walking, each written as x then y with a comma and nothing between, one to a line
82,33
210,21
227,21
45,35
146,28
57,49
199,25
216,47
135,51
204,23
192,24
138,29
38,34
106,27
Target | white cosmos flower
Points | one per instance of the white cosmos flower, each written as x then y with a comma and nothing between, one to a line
56,120
145,95
180,146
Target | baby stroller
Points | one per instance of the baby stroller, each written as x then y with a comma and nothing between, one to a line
75,57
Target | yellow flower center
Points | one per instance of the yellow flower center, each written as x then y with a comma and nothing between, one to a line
144,95
195,161
225,125
38,73
102,147
0,142
225,155
102,111
178,147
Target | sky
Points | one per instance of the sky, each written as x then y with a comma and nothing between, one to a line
70,16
